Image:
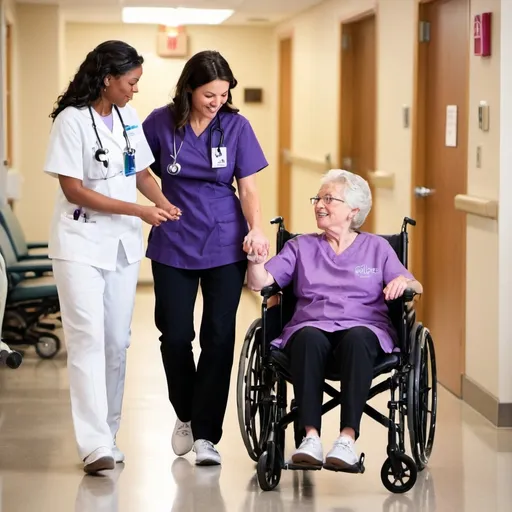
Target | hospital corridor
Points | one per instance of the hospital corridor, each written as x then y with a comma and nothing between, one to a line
255,256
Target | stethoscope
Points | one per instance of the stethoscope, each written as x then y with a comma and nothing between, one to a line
101,154
175,167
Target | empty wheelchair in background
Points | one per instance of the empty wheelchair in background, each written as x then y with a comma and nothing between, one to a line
263,373
32,311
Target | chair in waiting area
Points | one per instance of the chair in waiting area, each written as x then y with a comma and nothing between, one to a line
15,232
32,309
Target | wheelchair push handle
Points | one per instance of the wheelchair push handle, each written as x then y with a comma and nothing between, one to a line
407,221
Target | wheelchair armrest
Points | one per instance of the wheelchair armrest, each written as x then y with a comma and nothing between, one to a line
271,290
408,296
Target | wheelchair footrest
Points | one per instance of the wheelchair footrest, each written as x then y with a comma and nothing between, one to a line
356,468
302,467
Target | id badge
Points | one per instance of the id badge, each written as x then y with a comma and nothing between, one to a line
219,157
129,163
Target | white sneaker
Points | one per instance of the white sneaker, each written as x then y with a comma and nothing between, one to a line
206,454
343,453
118,455
100,459
309,452
182,439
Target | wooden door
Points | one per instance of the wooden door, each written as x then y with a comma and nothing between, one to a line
358,100
439,255
285,129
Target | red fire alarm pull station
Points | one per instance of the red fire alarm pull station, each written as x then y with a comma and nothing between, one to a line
482,34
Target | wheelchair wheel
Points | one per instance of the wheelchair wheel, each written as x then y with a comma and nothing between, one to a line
269,471
422,397
399,473
253,394
47,345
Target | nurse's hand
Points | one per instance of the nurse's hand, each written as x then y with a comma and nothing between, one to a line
171,209
154,215
256,242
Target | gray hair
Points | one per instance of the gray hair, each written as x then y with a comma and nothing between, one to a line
357,192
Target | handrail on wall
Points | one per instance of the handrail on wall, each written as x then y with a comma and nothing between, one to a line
478,206
308,163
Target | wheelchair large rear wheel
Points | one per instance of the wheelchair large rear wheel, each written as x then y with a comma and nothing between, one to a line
422,397
253,394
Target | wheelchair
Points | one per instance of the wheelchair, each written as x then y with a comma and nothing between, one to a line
263,374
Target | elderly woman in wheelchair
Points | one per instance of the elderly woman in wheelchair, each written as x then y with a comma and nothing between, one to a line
343,280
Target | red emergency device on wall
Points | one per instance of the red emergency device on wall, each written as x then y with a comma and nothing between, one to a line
482,34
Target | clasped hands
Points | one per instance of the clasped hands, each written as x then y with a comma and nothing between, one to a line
256,246
159,213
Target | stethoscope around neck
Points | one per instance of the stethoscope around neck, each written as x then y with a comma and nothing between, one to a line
101,154
175,167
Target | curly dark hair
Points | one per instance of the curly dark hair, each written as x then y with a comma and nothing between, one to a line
202,68
114,58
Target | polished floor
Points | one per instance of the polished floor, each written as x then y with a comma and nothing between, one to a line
470,470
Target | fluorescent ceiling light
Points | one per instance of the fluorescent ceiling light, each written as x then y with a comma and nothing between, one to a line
175,17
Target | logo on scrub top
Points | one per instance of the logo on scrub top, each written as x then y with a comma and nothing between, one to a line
365,271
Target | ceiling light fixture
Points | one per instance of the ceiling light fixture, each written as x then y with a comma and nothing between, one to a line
175,17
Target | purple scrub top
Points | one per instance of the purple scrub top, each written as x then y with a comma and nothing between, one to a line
211,230
336,292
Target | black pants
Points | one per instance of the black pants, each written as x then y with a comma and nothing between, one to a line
352,352
201,395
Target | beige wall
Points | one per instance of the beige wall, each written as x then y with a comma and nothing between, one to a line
315,103
397,34
38,40
482,341
9,17
249,52
504,282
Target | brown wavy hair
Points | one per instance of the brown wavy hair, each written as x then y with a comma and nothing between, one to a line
202,68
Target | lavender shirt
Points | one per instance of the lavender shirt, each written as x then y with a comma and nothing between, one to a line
109,121
211,230
336,292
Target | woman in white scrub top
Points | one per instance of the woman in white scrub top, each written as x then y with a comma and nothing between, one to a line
99,154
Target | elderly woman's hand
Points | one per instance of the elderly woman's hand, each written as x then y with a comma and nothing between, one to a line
256,243
257,258
396,288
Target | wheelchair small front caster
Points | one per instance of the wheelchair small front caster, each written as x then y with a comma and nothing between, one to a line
398,473
47,345
269,472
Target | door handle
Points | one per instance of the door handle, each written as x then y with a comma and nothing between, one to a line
423,191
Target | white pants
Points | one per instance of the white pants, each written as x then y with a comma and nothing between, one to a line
97,307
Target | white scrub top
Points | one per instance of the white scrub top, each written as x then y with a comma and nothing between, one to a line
71,151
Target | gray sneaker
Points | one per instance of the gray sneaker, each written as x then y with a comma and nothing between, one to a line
309,452
343,454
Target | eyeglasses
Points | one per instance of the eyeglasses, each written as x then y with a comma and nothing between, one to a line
327,199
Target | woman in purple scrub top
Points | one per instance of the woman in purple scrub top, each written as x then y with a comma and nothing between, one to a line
342,279
201,145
